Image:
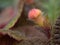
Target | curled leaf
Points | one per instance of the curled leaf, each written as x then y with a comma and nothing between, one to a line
17,15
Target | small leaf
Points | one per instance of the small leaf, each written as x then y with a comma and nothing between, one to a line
14,34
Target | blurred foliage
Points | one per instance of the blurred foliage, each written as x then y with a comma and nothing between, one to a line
18,9
50,7
5,3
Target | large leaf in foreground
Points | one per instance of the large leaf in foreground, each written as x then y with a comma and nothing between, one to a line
19,8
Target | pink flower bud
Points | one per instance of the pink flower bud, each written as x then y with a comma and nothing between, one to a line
34,13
